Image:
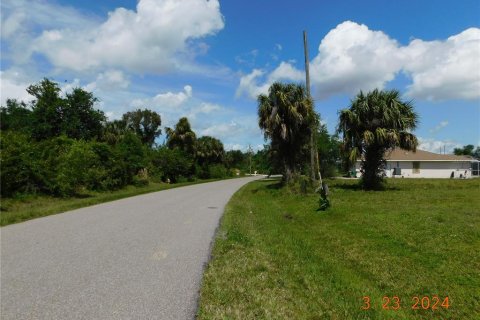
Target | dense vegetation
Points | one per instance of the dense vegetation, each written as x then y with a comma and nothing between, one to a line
61,145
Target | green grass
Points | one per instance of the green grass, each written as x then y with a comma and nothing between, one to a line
276,257
27,207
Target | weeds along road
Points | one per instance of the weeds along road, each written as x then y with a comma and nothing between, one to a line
135,258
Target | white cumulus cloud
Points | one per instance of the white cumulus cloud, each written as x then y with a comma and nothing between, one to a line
154,38
167,100
437,146
447,69
351,57
250,86
109,80
21,21
13,86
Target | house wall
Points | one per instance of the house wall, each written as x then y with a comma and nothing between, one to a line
428,169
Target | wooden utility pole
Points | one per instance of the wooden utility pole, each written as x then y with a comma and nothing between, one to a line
307,70
313,154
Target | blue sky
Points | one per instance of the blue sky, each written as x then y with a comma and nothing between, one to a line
209,60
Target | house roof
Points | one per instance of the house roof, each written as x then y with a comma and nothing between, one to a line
421,155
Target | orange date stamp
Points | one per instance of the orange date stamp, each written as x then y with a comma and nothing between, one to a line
416,303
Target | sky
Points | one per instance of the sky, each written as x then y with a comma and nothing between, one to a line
209,60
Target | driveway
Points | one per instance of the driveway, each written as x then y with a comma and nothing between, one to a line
135,258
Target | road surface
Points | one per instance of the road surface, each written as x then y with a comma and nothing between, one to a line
135,258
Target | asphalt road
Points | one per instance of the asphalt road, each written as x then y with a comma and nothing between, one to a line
135,258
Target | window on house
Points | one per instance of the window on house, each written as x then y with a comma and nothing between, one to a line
416,167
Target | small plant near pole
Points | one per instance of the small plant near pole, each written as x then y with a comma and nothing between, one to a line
323,202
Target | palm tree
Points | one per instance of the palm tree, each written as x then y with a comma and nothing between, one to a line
182,137
286,116
114,131
375,124
209,150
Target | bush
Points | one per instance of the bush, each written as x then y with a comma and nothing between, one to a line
301,185
30,167
48,154
131,152
115,171
141,179
217,171
17,169
170,164
80,169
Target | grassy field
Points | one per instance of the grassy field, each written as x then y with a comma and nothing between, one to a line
28,207
276,257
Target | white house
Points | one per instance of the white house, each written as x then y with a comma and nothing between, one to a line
424,164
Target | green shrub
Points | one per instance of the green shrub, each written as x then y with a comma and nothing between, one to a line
113,170
217,171
132,153
141,179
48,154
80,169
16,159
170,164
301,185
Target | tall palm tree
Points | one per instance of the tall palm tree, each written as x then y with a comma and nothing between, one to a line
182,137
376,123
286,116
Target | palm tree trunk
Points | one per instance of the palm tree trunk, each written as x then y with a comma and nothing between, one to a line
373,168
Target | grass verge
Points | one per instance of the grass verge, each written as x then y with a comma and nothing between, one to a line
276,257
27,207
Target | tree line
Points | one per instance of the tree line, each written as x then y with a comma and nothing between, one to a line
62,145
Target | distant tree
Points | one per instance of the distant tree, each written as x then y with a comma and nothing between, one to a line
113,131
182,137
209,150
476,153
52,115
145,123
266,161
328,147
286,115
80,119
376,123
234,159
15,116
47,110
467,150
